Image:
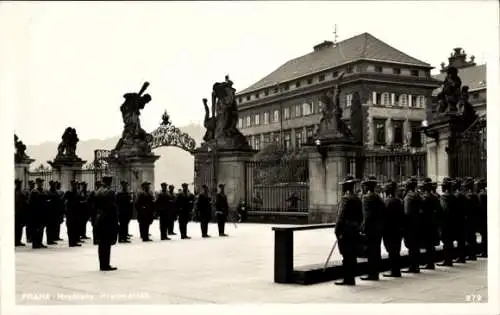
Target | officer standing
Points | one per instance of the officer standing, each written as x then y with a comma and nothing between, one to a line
347,230
29,213
483,216
472,218
373,209
445,218
106,223
72,200
172,210
21,207
60,218
412,205
84,211
162,209
428,223
39,210
93,210
54,211
459,221
185,204
125,210
204,210
393,228
145,210
221,210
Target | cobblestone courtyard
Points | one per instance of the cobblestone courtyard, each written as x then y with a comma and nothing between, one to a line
237,269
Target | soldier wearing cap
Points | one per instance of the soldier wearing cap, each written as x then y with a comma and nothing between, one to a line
92,209
428,219
371,228
347,230
472,218
185,204
145,206
84,211
459,221
21,207
39,210
221,210
106,223
413,208
54,210
29,214
483,216
162,208
393,228
204,210
125,211
172,210
448,203
60,217
72,200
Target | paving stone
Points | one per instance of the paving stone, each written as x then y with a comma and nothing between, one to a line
236,269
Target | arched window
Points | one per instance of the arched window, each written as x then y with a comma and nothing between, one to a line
420,101
403,100
386,99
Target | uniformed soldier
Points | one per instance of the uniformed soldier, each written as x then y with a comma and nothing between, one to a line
221,210
72,200
483,216
412,205
29,219
38,208
445,220
106,223
84,211
172,210
60,194
54,205
428,220
393,228
21,209
371,228
162,209
347,230
472,218
125,210
145,206
93,210
185,204
204,210
459,221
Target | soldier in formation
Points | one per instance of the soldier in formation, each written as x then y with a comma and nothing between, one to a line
204,210
185,203
145,207
421,217
163,210
125,211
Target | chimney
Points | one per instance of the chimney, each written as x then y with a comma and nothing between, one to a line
323,45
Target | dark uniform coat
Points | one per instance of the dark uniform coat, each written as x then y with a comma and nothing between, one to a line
428,219
373,209
125,206
221,205
348,225
413,208
106,222
204,207
21,207
145,206
39,206
185,204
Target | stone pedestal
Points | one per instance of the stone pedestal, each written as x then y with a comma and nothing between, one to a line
65,170
135,170
21,170
439,136
325,173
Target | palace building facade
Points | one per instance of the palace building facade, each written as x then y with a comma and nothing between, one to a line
384,92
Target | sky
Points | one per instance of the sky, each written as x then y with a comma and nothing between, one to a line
69,63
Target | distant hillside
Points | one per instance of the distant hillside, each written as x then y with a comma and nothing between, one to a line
174,166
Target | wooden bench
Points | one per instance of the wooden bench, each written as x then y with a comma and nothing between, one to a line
284,271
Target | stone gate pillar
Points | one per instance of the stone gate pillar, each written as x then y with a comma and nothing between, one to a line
135,170
328,165
21,170
65,170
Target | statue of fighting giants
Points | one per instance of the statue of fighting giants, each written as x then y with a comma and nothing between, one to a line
20,154
67,148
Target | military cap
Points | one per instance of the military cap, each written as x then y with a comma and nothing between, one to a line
349,179
18,181
457,183
107,179
447,181
204,186
163,184
390,186
184,185
31,182
146,183
39,180
84,183
123,182
171,186
73,182
370,180
468,182
52,183
427,182
221,185
481,182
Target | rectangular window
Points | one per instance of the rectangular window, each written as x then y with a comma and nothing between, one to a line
257,142
297,84
266,118
309,132
386,99
307,109
298,138
298,112
320,106
335,74
286,113
348,100
379,131
378,69
266,139
397,130
376,98
266,92
396,71
257,119
309,81
416,135
239,100
240,123
393,99
321,77
277,138
287,140
286,87
276,115
248,97
256,95
414,73
248,122
276,90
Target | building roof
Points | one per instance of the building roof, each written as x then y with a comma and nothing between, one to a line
474,77
360,47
